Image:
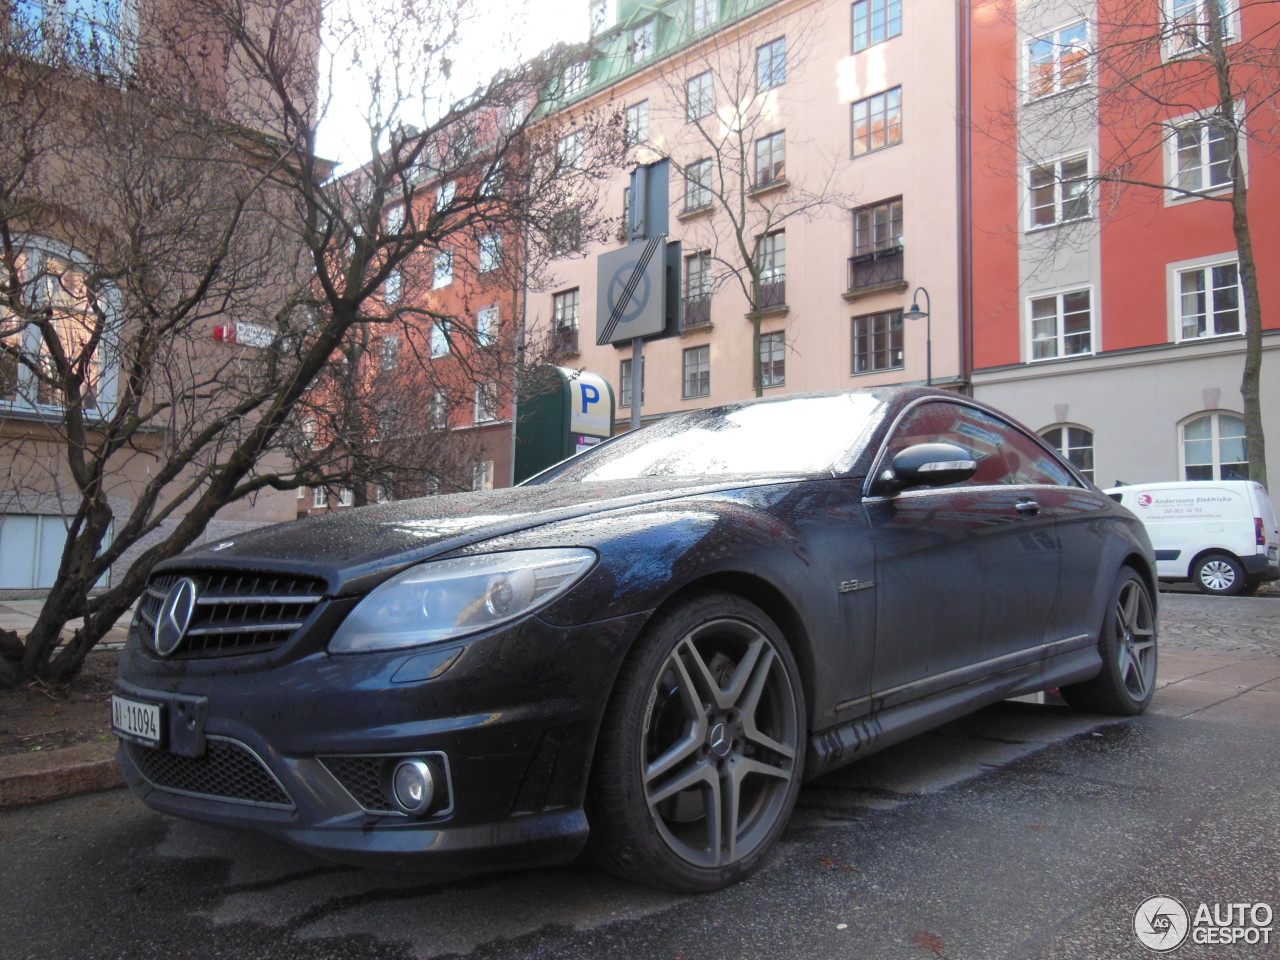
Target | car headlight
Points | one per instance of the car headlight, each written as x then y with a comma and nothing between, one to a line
445,599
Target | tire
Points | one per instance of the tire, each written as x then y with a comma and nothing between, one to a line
1250,588
702,748
1129,648
1219,574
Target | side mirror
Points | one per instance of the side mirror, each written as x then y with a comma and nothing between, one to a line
926,465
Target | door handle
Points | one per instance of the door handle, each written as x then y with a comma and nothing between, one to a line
1028,506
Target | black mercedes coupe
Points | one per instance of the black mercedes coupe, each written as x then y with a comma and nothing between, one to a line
641,652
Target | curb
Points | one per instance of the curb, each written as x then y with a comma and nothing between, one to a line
32,778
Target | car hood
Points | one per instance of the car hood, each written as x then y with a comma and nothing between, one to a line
356,549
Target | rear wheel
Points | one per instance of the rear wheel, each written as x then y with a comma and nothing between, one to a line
1127,643
702,748
1220,574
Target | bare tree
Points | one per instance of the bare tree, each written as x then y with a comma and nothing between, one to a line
731,151
1188,86
168,181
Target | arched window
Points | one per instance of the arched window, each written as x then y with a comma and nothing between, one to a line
1075,444
1214,448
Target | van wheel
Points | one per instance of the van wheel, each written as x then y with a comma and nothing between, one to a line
1220,574
1250,588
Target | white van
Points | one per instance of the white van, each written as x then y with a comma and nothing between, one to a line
1219,534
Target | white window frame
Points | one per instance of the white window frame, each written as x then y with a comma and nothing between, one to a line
1174,275
570,151
644,38
393,287
489,253
576,76
1173,42
776,60
391,351
438,411
395,219
1215,439
700,96
1060,199
705,14
565,308
773,148
1054,38
487,325
442,274
482,475
346,497
1064,448
624,382
700,375
636,122
776,341
1174,194
319,498
1060,336
486,406
697,189
448,190
439,339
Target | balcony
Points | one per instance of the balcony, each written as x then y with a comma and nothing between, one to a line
696,313
880,271
565,341
773,294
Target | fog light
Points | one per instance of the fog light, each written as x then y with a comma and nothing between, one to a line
413,787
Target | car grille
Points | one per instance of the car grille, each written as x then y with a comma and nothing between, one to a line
235,613
228,770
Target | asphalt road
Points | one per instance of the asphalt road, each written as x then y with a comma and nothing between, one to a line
1025,831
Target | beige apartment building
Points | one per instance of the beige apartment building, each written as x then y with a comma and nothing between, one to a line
808,156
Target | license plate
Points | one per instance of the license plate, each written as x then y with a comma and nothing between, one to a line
139,722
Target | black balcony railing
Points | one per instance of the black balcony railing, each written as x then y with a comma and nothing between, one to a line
696,313
566,340
876,268
773,294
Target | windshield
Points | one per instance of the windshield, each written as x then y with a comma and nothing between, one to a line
798,435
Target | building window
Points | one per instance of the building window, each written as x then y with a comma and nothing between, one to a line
877,342
448,190
490,257
575,78
1187,24
443,269
1076,446
697,185
642,41
482,476
95,34
773,269
624,383
637,121
697,372
570,151
1058,61
705,13
1201,159
346,497
875,21
771,159
564,309
486,325
1059,191
697,290
877,121
773,359
700,96
877,227
438,414
486,402
390,351
771,64
319,497
1061,325
392,287
1214,448
395,219
439,339
493,181
564,235
1209,301
62,315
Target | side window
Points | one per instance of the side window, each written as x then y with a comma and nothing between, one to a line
1004,453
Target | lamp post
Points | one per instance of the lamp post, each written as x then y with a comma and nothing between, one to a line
915,313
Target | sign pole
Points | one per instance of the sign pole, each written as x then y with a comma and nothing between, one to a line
637,380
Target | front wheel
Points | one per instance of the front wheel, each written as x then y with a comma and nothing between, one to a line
702,748
1127,643
1220,574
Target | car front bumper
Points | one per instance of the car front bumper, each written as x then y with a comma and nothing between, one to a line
303,750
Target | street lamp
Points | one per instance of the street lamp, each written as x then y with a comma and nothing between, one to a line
915,313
